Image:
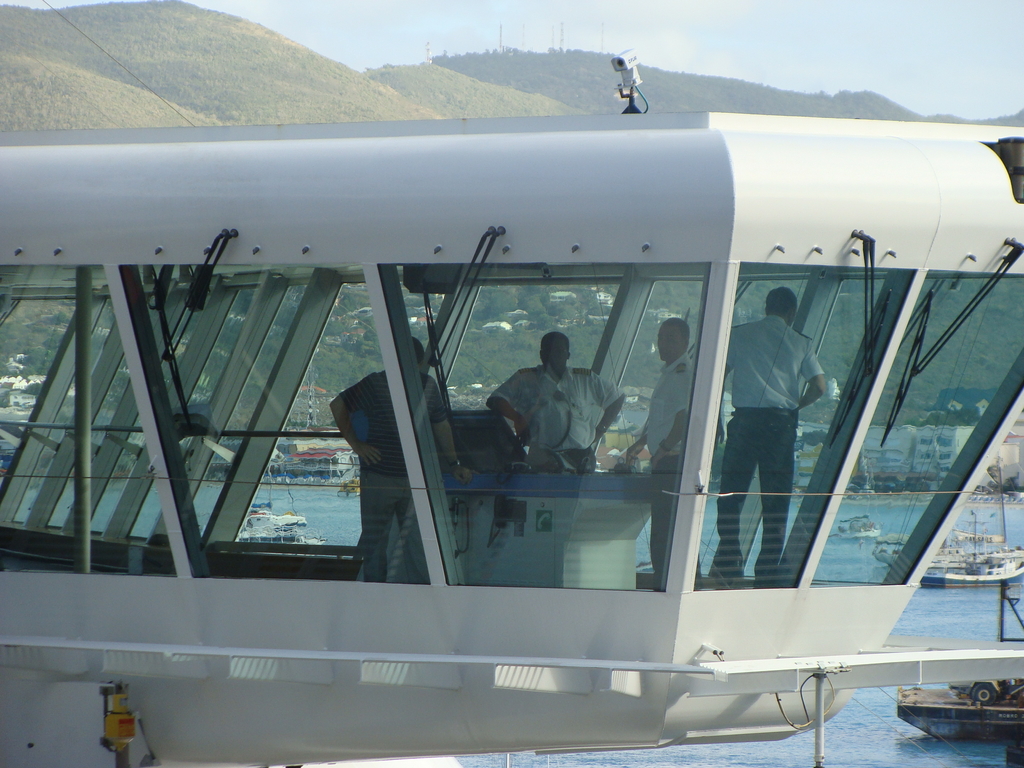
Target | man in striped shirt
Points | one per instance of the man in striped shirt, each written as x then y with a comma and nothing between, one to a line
385,498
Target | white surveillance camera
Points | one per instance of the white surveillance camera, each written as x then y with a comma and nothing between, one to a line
625,60
626,65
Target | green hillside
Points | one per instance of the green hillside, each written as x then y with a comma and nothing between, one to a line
585,81
452,94
213,67
1017,119
37,94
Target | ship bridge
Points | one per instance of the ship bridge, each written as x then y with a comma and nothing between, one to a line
197,320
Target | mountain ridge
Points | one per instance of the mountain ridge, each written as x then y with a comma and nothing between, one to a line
212,68
222,68
592,87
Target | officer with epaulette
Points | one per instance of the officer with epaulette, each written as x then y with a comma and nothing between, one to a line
559,413
775,373
663,435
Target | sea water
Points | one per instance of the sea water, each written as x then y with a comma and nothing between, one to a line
865,734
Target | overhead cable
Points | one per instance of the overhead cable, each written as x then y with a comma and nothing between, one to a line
122,66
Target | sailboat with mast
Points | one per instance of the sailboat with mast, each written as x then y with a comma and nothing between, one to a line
975,557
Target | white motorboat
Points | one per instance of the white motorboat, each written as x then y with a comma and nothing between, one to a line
975,554
263,526
858,527
970,559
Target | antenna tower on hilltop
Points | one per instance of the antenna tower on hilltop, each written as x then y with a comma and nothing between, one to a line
430,58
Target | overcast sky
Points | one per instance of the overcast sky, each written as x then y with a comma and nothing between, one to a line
942,56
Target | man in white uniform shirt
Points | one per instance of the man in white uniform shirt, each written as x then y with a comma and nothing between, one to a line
770,364
558,412
663,435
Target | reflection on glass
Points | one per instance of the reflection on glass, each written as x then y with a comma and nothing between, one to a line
505,326
793,356
552,372
904,482
29,482
269,475
37,453
659,404
775,373
293,358
148,518
390,544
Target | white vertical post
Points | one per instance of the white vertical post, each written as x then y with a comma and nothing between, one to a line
406,431
708,381
133,361
819,719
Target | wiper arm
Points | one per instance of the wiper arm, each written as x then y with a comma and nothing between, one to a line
195,300
1016,249
870,326
873,319
865,371
462,294
918,361
919,325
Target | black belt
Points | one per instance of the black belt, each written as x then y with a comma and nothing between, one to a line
762,412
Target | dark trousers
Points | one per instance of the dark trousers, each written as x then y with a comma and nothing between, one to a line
664,477
762,439
385,503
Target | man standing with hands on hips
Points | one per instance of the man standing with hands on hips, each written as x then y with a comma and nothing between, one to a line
385,497
775,374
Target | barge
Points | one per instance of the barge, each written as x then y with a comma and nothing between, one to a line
945,714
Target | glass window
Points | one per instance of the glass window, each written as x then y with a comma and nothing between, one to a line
273,371
796,378
660,377
534,457
37,398
916,458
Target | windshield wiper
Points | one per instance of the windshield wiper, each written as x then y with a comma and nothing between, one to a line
919,360
195,300
462,292
870,324
865,371
873,319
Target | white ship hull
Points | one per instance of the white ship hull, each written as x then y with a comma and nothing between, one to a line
533,628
